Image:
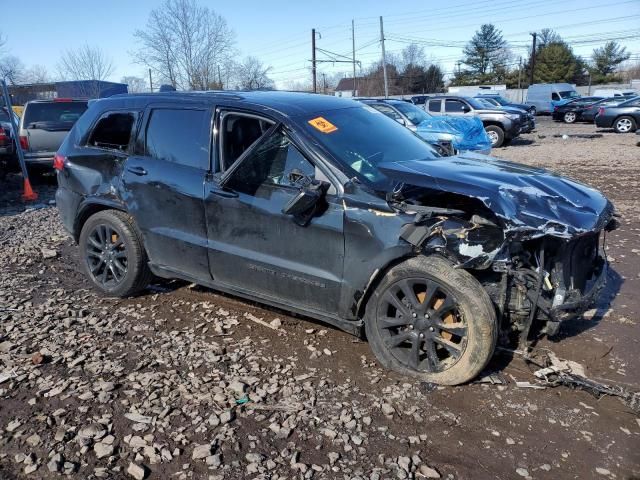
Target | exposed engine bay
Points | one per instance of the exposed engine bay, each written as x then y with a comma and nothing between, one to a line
536,277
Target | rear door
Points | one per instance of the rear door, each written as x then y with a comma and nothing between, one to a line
45,124
434,106
163,184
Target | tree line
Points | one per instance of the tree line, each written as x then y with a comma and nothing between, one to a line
488,59
184,44
191,47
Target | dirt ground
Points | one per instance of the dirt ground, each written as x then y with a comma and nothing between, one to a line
182,382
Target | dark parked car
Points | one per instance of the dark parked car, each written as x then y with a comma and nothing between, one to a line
504,102
589,113
325,207
572,111
623,117
43,126
8,161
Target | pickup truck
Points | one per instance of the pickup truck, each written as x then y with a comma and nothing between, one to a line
500,125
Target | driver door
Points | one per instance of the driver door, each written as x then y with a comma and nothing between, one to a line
252,246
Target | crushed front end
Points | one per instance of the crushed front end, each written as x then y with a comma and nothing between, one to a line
537,275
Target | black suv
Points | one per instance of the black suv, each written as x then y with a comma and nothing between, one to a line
325,207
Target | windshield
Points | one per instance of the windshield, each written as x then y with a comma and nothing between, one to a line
361,138
475,103
416,115
489,102
568,94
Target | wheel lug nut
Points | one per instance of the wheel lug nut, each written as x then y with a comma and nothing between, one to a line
422,335
431,329
414,315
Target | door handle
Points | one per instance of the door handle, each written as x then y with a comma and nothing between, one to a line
221,192
137,170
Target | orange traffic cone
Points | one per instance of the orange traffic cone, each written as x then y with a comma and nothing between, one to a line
28,195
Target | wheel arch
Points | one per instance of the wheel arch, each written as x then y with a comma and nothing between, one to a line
88,209
375,280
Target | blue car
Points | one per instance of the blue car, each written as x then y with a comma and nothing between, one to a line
449,135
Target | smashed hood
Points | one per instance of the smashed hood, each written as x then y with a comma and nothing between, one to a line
529,200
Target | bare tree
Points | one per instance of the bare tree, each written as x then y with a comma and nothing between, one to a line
135,84
36,74
12,69
253,75
186,45
85,63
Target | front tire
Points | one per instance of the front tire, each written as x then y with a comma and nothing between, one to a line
431,321
570,117
112,255
496,135
624,124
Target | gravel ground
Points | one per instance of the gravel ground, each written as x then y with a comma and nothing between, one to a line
185,383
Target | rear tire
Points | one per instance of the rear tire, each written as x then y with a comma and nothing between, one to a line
112,255
496,135
446,319
624,124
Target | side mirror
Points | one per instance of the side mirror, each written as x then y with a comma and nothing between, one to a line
466,109
401,121
305,204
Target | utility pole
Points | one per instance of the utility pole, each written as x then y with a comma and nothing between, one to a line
353,43
519,75
313,58
384,61
150,81
220,78
533,58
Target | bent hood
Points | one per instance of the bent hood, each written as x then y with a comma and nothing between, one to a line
528,200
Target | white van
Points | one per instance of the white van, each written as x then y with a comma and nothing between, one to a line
614,92
544,96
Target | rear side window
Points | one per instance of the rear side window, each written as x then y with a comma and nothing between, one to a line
179,136
434,105
54,112
113,131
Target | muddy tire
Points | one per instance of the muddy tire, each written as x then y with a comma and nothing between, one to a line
112,255
624,124
496,135
431,321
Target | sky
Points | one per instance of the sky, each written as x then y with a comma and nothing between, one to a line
279,32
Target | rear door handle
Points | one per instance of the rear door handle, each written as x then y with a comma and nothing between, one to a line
137,170
221,192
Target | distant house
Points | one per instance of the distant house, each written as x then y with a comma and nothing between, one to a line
88,89
346,86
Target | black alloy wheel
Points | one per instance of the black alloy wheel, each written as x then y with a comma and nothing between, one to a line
106,256
421,325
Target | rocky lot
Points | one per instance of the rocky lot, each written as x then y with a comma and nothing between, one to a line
185,383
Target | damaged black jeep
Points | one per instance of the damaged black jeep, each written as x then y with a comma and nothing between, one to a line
326,207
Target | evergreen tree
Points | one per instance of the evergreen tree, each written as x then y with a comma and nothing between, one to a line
605,61
556,62
485,52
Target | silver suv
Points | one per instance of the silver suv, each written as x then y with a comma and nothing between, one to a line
43,126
